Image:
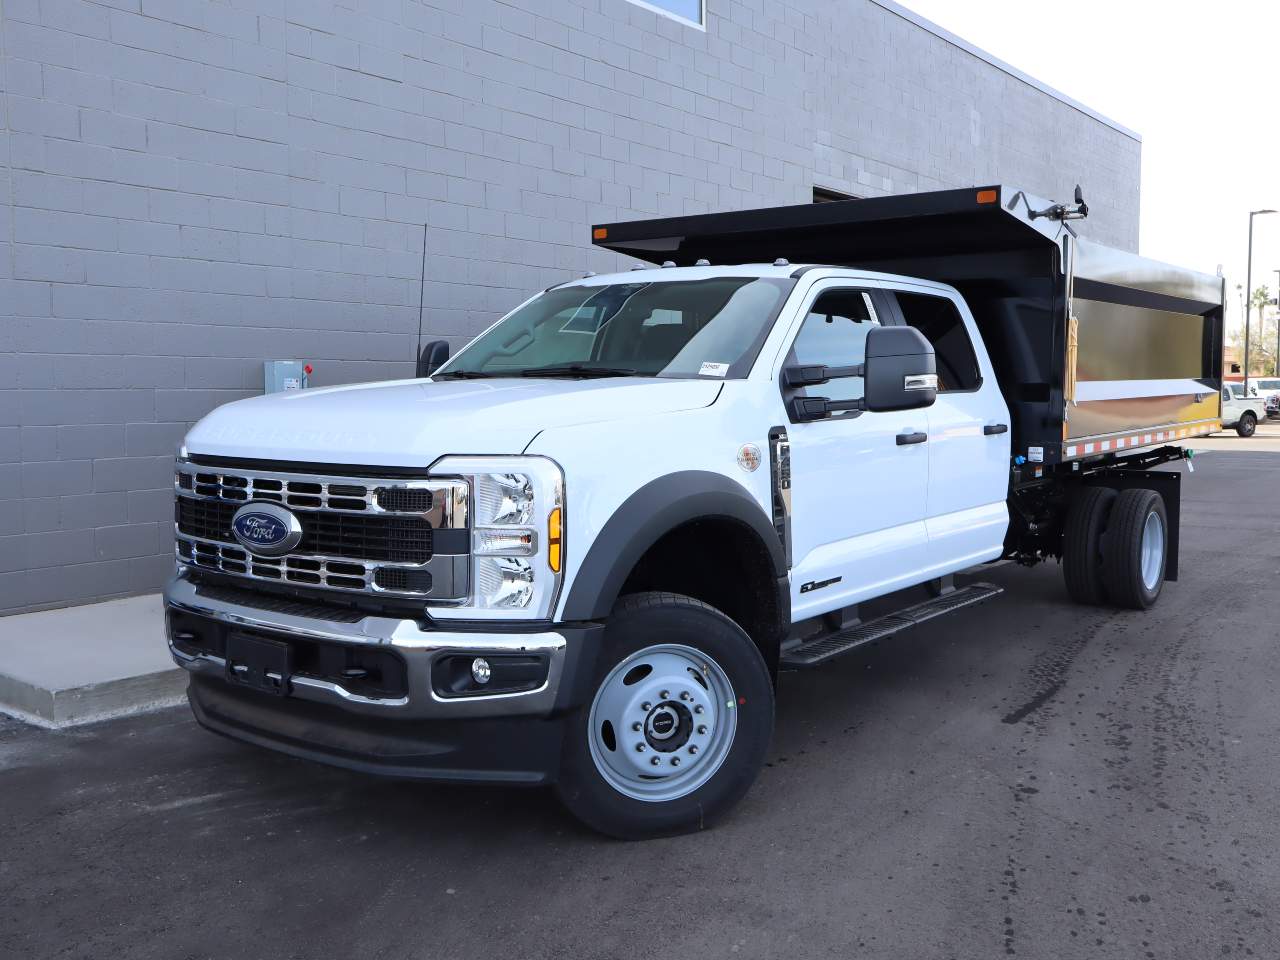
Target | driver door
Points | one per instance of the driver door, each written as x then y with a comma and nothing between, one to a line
859,480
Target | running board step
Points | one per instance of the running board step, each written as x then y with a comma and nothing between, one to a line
819,650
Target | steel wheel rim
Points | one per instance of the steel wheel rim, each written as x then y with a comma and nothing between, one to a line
668,703
1152,550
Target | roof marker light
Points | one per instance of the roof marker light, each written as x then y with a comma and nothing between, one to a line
704,262
600,233
668,263
988,196
782,262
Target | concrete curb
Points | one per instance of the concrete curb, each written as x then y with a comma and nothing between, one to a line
61,668
54,709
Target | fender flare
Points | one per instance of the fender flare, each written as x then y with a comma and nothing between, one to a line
646,516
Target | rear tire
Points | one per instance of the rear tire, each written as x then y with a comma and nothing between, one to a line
708,723
1136,550
1247,426
1082,544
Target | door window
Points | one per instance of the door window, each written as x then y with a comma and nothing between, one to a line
940,322
835,334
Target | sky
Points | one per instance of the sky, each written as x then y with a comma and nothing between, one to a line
1200,82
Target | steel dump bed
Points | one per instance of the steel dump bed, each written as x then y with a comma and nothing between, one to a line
1096,350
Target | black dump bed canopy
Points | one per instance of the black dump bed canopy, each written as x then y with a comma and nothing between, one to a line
935,234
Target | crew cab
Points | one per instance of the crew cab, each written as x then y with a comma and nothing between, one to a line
584,550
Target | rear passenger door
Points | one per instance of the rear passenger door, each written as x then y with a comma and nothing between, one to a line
966,514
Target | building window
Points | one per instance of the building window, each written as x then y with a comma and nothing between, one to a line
690,11
824,195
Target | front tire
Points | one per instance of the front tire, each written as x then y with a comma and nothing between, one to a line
678,725
1136,549
1247,426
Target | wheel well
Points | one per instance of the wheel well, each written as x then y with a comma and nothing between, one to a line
722,562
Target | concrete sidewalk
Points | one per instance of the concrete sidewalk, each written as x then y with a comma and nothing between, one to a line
63,667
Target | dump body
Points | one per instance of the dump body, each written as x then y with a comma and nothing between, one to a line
1096,350
1148,355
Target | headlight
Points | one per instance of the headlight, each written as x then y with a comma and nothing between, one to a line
517,516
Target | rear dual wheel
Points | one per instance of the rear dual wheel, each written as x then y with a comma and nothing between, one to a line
1136,550
1115,547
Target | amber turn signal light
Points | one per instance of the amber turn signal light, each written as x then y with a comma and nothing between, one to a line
553,540
600,233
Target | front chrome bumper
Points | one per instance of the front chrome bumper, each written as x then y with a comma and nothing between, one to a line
417,647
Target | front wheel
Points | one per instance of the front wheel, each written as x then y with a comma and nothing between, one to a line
1247,425
678,726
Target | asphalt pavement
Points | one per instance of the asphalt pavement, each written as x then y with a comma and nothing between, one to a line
1027,778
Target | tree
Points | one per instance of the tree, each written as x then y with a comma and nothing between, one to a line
1262,335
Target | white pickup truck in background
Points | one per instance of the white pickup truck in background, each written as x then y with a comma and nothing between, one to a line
581,551
1242,413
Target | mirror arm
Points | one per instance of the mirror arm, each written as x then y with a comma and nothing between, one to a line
813,375
804,409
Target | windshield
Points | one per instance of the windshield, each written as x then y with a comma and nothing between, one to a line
682,328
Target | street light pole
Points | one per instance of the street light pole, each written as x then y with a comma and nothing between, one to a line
1248,295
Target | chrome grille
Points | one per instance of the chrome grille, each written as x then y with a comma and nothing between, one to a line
385,536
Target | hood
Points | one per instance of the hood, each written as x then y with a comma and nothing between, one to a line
411,423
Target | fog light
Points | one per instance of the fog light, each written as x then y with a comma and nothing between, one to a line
480,671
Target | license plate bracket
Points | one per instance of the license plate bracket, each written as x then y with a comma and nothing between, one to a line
258,663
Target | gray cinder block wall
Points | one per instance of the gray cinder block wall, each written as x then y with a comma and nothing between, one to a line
188,187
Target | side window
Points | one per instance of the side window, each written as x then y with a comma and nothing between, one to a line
835,334
940,322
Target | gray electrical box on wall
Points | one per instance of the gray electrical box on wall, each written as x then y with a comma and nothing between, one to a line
280,375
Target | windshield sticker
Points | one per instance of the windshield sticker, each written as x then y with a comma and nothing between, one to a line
709,369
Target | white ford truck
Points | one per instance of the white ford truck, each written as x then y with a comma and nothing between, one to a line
581,551
1243,413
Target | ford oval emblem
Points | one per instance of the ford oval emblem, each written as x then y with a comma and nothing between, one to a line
266,529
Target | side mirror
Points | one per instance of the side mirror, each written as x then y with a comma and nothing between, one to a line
432,358
900,370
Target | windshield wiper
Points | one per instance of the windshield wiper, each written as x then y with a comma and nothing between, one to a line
577,370
467,375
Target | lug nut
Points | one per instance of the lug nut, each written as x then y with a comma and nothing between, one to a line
666,694
646,706
684,695
693,748
639,748
655,761
697,708
675,761
637,726
702,729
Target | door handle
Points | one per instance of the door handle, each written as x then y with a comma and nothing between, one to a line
991,429
905,439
